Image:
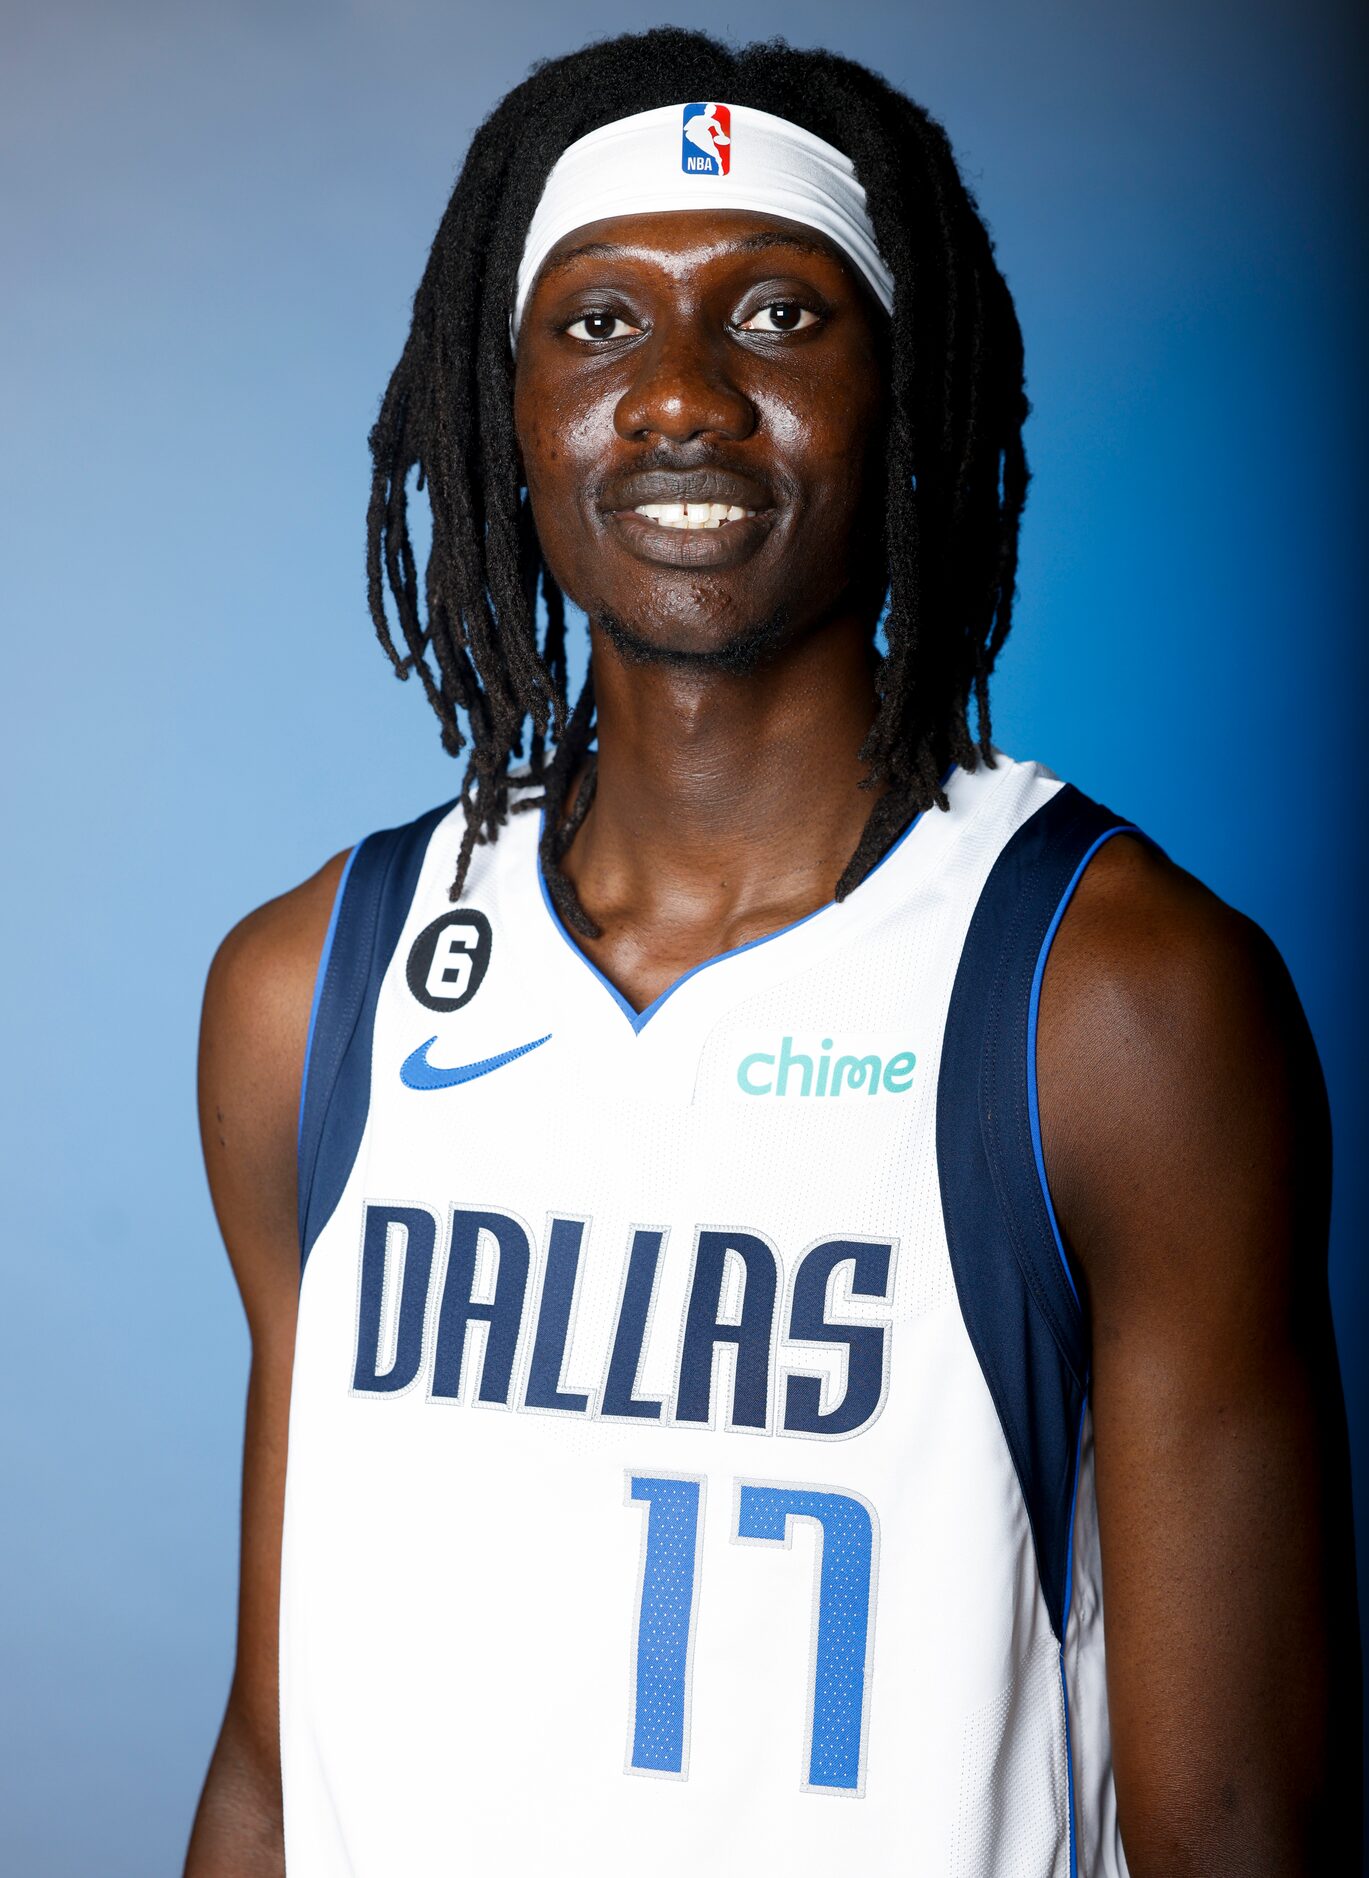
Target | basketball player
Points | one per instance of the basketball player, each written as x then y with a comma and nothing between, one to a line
808,1222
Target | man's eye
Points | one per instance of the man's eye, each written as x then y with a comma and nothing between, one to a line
781,316
600,326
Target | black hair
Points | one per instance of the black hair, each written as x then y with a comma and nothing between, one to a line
955,479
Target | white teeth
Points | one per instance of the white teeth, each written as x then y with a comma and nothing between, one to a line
692,514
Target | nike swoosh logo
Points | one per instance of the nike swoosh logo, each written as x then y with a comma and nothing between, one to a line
416,1072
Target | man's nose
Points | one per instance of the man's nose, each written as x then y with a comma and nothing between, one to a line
682,389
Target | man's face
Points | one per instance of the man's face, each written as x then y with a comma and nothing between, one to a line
730,362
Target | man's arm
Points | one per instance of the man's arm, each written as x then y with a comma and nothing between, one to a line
252,1043
1185,1130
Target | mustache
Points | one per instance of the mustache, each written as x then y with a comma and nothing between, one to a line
738,657
666,478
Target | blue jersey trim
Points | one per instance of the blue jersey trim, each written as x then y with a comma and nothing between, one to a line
1122,828
1064,1631
319,977
1016,1295
640,1019
368,918
1069,1773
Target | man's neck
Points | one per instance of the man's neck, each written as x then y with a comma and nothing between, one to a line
725,806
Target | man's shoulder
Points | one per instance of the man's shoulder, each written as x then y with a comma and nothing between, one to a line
257,1001
273,952
1174,1059
270,957
253,1035
1146,945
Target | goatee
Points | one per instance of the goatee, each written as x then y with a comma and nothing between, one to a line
738,657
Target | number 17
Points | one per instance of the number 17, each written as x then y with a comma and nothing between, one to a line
840,1661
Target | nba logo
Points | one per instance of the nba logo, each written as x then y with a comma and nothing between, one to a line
706,149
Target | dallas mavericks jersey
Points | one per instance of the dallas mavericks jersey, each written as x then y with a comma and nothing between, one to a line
689,1456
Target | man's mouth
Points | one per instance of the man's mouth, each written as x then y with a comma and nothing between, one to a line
692,514
699,518
692,536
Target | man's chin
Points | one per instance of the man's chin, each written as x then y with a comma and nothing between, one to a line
739,654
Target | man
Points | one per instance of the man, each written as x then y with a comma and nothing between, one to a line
801,1220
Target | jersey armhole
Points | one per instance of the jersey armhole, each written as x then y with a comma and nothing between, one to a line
1033,1025
1017,1294
369,914
320,978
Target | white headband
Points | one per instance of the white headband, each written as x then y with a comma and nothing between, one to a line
704,156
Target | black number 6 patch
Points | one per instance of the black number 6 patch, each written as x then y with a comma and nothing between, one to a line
449,959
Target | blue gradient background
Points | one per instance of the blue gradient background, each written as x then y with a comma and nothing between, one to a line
213,220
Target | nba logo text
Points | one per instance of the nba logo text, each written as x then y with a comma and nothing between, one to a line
706,146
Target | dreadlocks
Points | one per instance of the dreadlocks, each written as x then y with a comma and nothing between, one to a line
956,473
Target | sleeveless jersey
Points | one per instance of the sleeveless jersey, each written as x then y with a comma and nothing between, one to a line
689,1452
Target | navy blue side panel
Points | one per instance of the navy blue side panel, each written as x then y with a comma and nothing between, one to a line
1016,1294
373,904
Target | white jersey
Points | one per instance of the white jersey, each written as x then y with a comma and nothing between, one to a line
689,1464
